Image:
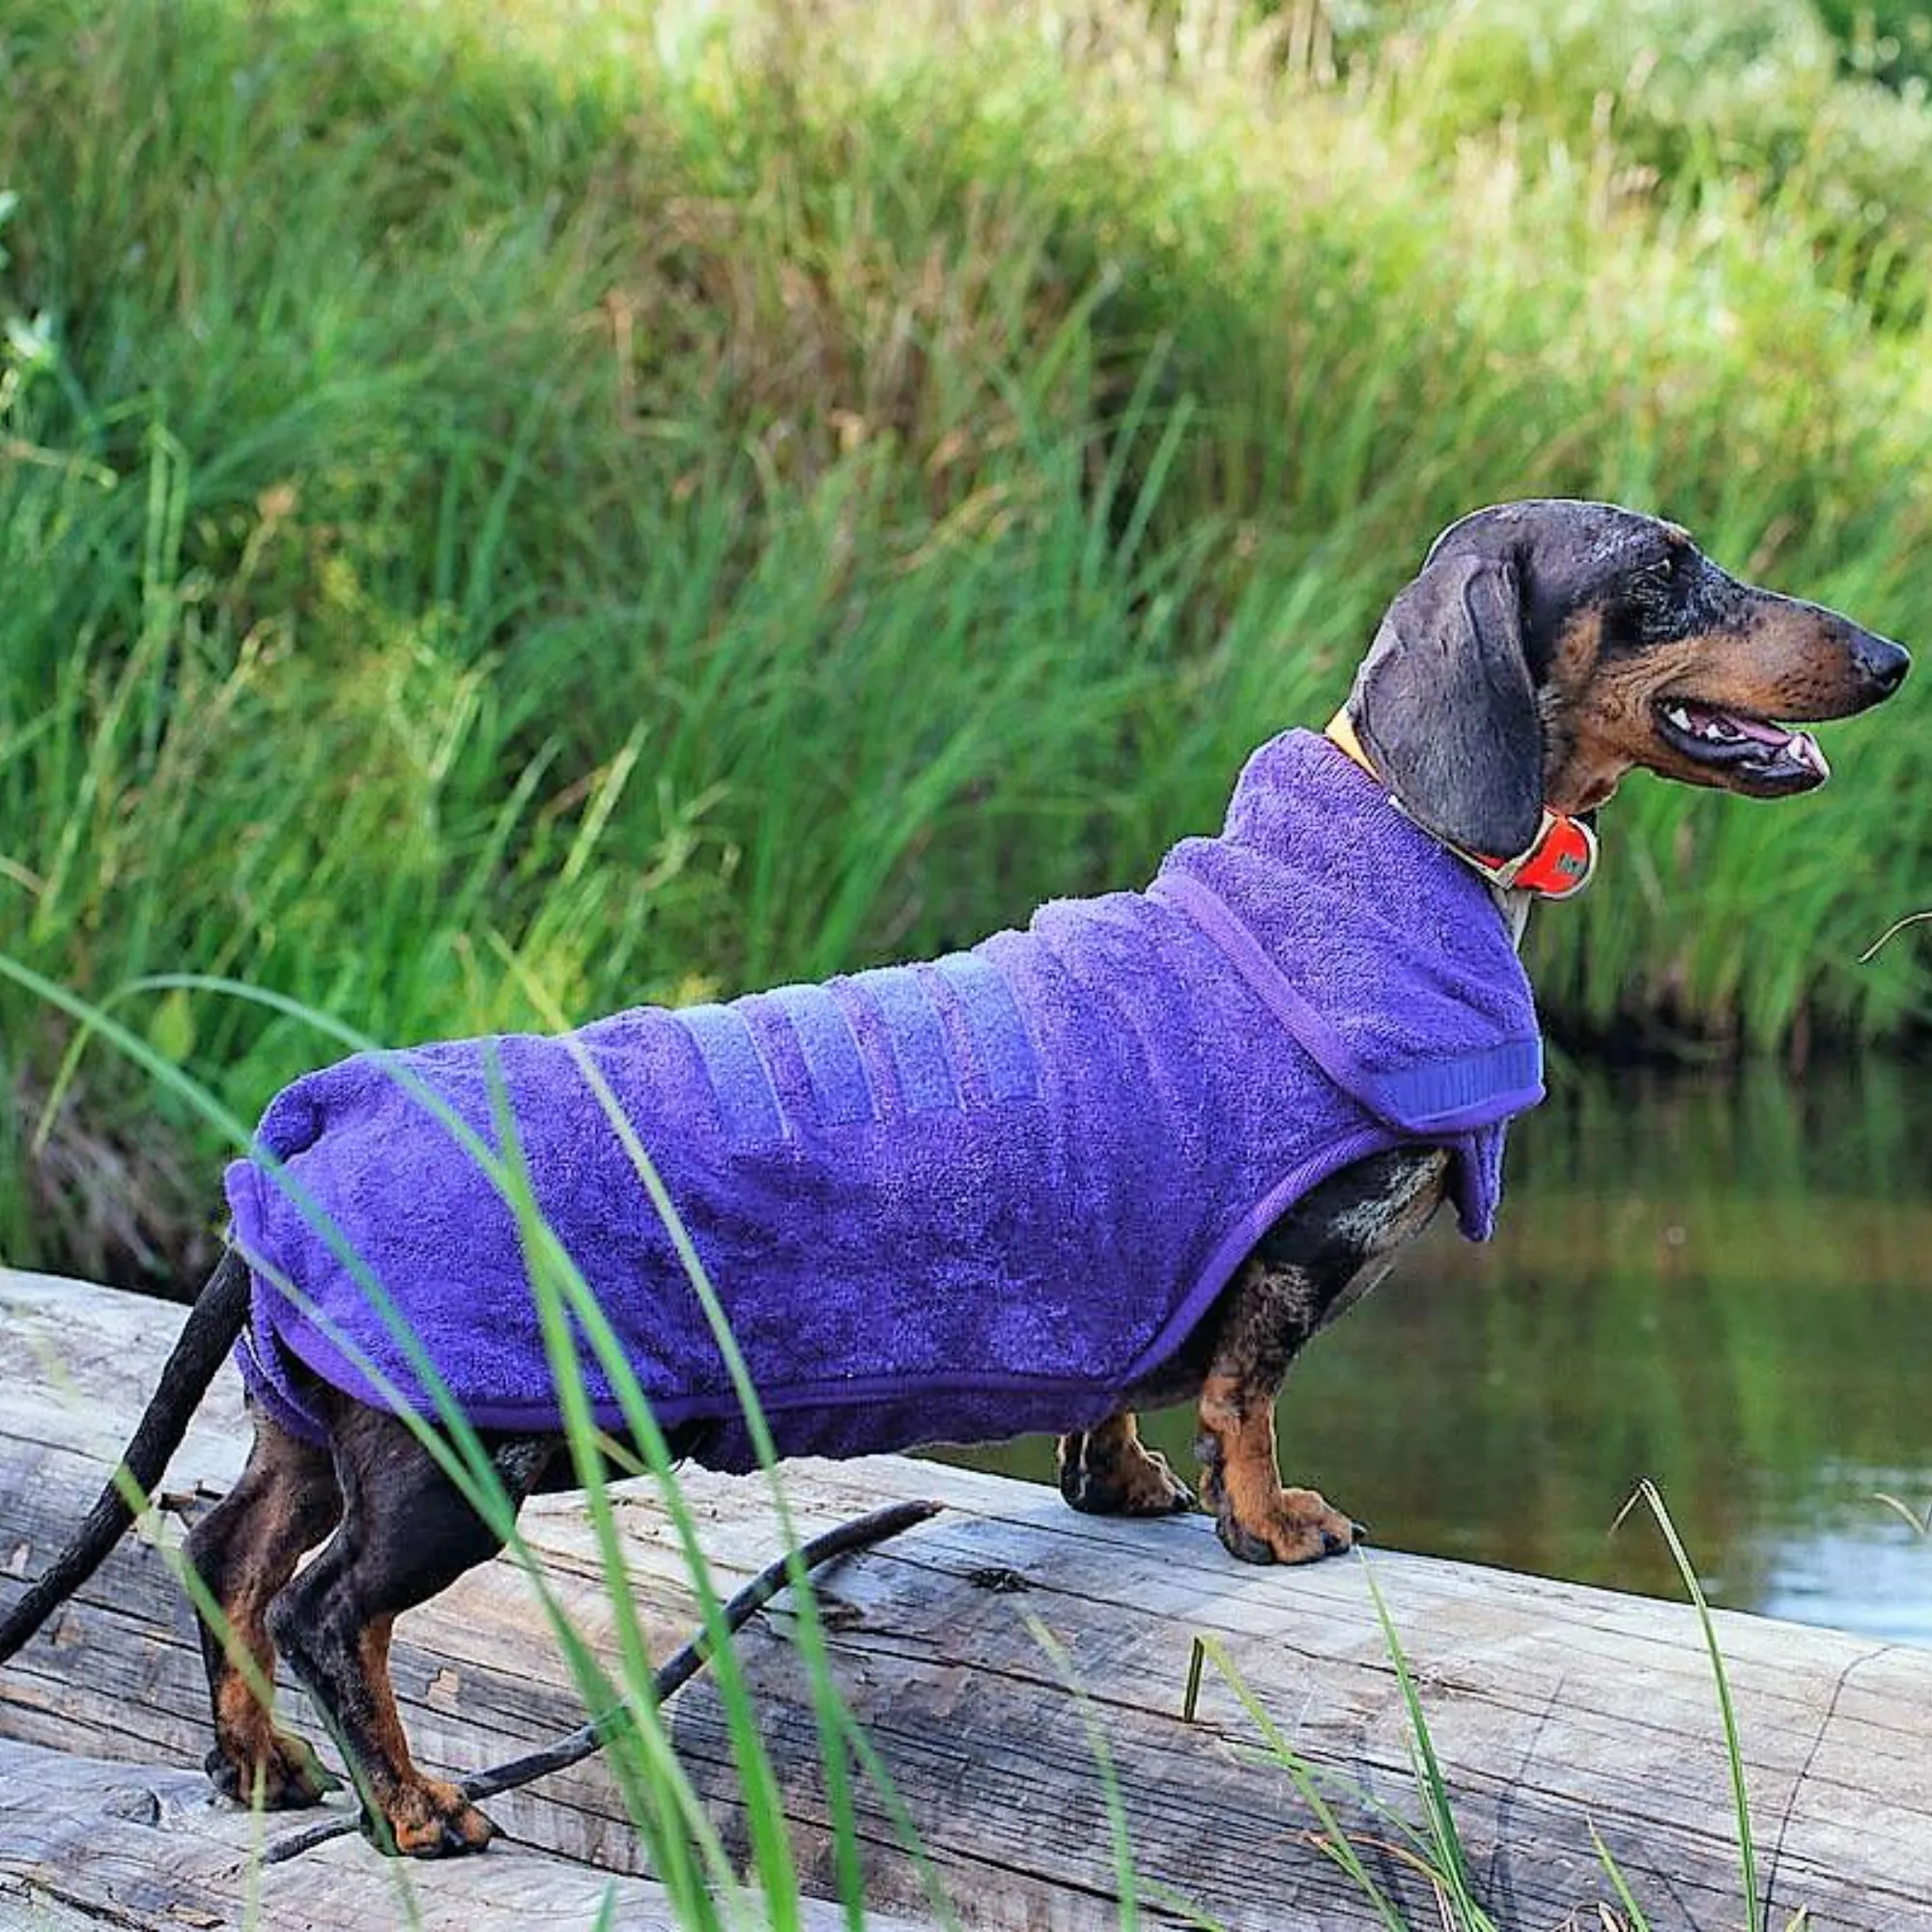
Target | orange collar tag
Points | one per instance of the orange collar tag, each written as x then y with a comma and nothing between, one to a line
1558,865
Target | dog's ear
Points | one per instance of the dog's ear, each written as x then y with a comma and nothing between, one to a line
1444,706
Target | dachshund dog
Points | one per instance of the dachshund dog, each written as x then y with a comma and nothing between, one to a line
1543,650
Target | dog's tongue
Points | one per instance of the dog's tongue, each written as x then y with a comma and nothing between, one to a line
1799,747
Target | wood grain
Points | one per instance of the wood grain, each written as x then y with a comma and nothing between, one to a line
86,1841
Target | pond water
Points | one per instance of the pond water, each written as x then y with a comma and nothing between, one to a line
1723,1284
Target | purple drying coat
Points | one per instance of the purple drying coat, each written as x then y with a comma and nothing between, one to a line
949,1201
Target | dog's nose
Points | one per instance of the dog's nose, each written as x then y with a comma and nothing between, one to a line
1881,663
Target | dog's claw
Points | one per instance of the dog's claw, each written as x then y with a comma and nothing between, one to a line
1294,1527
452,1842
430,1820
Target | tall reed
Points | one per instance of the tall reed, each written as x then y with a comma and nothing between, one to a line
700,497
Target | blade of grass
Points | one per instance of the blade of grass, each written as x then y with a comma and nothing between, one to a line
1620,1885
1126,1882
1333,1841
1757,1911
1451,1867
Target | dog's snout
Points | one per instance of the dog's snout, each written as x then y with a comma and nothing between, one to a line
1881,663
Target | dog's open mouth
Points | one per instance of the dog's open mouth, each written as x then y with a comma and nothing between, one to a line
1733,742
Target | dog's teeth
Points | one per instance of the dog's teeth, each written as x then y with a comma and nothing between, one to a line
1714,731
1679,717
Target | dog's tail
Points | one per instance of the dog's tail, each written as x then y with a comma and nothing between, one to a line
211,1331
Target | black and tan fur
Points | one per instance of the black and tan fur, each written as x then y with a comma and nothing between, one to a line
1532,662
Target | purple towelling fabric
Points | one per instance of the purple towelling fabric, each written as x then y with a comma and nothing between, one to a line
948,1201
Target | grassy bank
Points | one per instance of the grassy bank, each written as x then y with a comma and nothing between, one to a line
686,504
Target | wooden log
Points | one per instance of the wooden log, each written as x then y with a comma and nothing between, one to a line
1555,1709
86,1841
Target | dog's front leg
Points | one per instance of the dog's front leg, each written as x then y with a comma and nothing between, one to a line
1255,1516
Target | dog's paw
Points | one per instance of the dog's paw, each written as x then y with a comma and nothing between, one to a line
1295,1526
430,1819
289,1777
1152,1488
1098,1476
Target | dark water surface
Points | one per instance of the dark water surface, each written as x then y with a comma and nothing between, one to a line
1723,1283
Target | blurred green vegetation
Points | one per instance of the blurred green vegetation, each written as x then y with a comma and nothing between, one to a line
686,495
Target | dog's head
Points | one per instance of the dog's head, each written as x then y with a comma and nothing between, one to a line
1546,648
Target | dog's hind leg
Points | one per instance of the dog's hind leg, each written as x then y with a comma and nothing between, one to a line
407,1532
1108,1470
244,1551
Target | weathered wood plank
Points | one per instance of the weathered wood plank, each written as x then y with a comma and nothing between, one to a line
1553,1707
87,1842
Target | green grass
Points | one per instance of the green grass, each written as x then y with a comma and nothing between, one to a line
692,504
